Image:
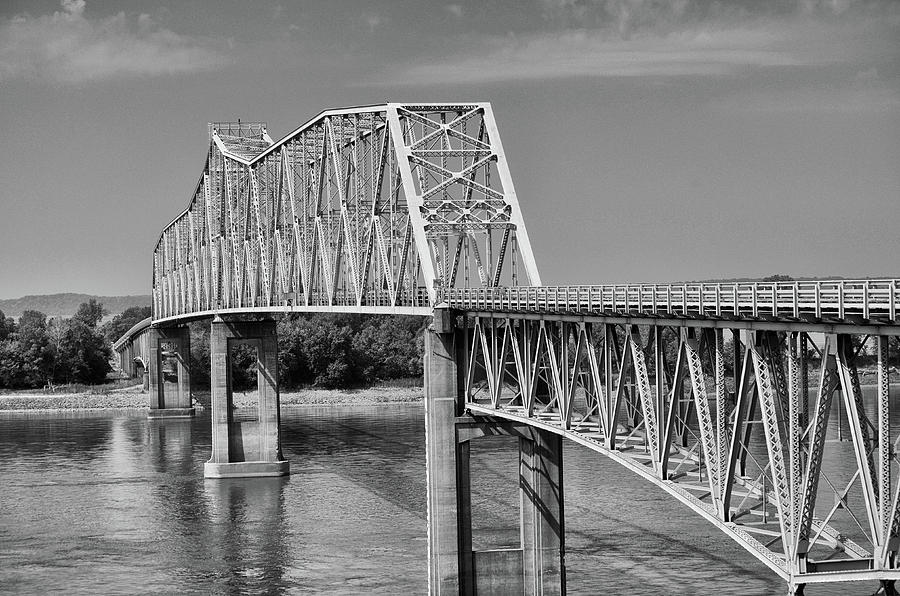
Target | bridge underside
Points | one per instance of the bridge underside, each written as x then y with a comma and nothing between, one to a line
735,424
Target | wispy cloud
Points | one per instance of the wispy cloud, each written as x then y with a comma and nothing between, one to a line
374,21
455,9
646,38
865,93
68,47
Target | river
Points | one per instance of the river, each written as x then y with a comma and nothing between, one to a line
111,503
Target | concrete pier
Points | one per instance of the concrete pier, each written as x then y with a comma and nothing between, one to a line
170,372
537,566
247,446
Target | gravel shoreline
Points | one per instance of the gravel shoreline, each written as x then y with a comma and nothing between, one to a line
121,400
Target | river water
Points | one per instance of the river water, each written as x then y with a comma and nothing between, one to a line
113,503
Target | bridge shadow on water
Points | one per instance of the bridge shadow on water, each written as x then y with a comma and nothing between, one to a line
617,529
346,440
349,520
621,532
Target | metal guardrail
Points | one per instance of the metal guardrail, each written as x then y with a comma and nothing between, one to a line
177,306
870,298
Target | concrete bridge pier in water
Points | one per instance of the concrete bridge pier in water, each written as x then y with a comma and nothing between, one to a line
537,566
170,372
244,443
244,446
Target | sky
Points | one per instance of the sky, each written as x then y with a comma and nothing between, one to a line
648,141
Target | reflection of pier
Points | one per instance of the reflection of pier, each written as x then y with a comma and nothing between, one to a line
248,541
178,504
171,442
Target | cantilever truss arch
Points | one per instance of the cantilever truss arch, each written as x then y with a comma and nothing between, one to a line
370,209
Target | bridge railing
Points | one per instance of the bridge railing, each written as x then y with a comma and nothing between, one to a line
417,298
869,298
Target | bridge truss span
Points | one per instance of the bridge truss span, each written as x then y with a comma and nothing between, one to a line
735,423
764,407
373,209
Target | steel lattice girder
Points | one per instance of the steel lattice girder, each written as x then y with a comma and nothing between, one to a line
746,452
373,209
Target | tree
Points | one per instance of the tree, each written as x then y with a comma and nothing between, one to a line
389,348
347,350
84,352
7,326
293,367
200,361
90,313
26,357
327,345
124,321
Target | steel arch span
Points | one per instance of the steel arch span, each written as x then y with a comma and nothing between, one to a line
374,209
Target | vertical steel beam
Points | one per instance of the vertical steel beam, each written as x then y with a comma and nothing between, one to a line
510,197
828,382
859,430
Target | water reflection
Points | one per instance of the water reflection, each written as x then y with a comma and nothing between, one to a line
115,503
170,445
247,521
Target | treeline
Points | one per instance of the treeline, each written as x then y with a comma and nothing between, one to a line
321,350
326,350
35,351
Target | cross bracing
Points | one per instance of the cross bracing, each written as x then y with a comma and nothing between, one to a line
744,425
372,209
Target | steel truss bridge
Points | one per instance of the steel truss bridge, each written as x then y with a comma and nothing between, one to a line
727,396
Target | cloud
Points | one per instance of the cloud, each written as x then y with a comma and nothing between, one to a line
637,41
69,48
373,21
455,9
864,93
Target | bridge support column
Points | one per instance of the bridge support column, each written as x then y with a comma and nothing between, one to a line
537,567
170,372
541,491
449,570
246,446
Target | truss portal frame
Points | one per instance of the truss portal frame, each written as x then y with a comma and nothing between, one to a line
371,209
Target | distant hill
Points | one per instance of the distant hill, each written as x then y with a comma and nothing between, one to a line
65,305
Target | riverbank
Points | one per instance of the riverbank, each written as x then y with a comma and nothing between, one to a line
136,399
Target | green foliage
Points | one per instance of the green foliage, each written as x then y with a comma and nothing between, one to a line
324,345
35,352
390,348
7,326
200,363
778,277
90,313
121,323
334,351
26,357
243,367
83,354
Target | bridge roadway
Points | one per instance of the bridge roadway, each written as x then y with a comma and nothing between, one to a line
726,395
